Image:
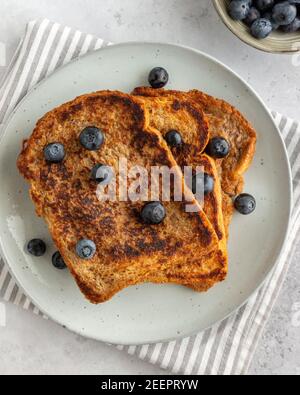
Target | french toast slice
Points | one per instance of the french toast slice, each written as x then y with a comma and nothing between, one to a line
172,113
217,262
128,251
224,121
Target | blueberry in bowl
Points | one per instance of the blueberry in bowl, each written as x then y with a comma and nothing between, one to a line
269,25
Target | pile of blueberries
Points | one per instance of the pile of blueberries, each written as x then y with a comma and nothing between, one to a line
264,16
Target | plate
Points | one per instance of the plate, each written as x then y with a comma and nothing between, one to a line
148,313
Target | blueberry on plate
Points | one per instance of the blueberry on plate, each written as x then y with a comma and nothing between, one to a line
153,213
245,204
158,77
239,9
202,183
36,247
284,13
102,174
218,148
54,153
86,249
173,138
91,138
261,28
58,262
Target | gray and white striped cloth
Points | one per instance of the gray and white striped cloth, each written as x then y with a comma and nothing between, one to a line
226,348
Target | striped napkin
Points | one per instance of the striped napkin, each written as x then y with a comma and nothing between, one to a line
226,348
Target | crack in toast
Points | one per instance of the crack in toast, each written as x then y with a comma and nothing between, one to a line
171,113
224,121
128,251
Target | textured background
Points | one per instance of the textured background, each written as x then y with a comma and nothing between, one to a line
31,345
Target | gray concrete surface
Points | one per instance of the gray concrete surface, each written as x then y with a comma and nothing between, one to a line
28,344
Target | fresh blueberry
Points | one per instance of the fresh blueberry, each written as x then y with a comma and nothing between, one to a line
202,183
292,27
218,148
54,153
86,249
261,28
91,138
36,247
264,5
158,78
102,174
245,204
174,138
268,15
239,9
252,16
58,262
284,13
153,213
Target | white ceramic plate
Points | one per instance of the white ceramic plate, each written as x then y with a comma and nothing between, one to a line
148,313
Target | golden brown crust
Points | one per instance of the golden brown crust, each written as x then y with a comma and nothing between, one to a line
224,120
168,113
163,118
128,251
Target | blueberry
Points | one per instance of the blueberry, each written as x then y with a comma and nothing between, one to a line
92,138
284,13
54,153
268,15
174,139
202,183
58,262
239,9
218,148
36,247
261,28
252,16
86,249
153,213
245,204
292,27
158,78
102,174
264,5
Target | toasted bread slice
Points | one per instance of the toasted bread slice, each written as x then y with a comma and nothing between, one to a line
217,262
129,251
168,113
225,121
